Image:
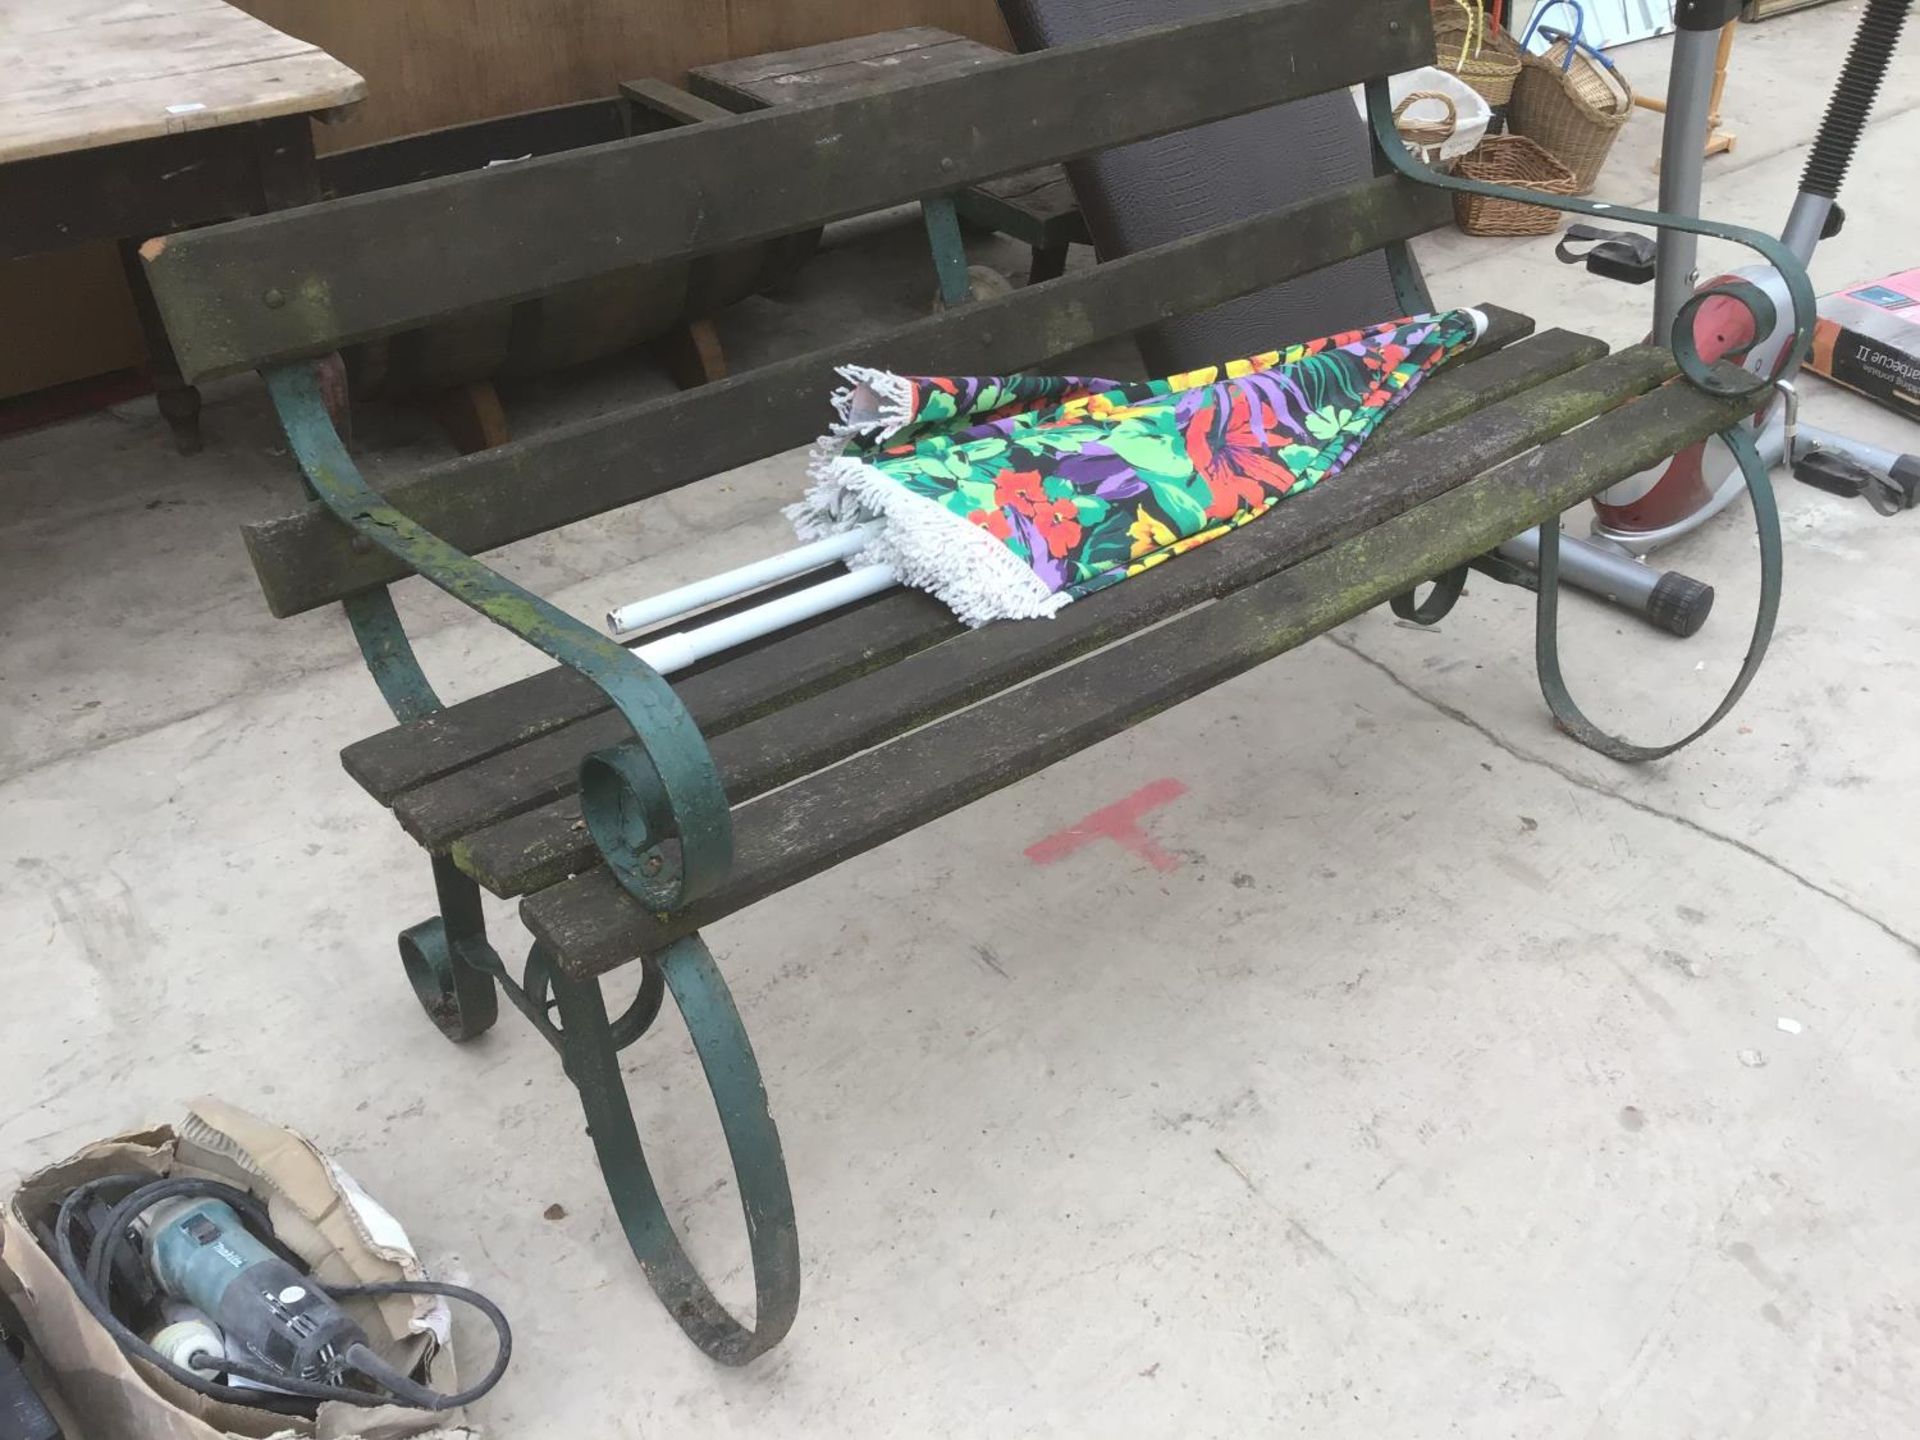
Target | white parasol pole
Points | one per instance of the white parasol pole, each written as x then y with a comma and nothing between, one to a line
681,649
724,586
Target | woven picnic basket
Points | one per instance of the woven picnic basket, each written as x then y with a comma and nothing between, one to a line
1510,160
1572,101
1427,136
1481,54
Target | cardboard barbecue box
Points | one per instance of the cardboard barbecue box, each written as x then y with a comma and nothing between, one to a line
1868,339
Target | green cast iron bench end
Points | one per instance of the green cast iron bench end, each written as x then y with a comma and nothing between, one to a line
625,813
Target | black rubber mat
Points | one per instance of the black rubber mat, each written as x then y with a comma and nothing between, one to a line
1146,194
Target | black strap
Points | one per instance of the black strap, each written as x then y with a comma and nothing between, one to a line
1619,247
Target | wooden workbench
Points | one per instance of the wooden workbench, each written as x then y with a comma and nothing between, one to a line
122,119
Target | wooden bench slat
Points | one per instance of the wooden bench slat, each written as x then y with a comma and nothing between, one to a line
481,501
407,756
963,669
593,926
543,846
303,282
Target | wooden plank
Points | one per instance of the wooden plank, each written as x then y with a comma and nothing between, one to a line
26,19
431,64
54,201
592,926
407,756
746,71
575,471
1037,206
87,73
278,287
758,29
460,148
799,664
434,63
1045,194
670,102
816,72
872,706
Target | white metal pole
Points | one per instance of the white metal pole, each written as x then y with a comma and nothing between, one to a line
680,649
821,553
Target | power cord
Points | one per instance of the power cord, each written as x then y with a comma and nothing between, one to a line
93,1284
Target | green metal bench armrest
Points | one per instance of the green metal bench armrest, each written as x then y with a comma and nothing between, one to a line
655,804
1720,379
1792,273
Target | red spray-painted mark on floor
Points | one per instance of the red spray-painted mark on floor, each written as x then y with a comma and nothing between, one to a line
1118,822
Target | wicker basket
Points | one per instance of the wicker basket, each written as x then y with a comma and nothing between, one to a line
1575,112
1484,56
1510,160
1426,136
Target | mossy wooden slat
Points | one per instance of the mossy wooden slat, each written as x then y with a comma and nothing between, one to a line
278,287
523,853
308,281
796,666
526,852
408,756
592,925
394,761
871,708
308,559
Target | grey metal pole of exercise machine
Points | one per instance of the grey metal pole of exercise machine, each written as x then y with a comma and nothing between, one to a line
1674,602
1682,156
1666,598
1683,151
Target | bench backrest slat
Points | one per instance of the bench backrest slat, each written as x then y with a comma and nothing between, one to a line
302,282
480,501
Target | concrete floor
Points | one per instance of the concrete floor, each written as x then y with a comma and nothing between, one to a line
1439,1088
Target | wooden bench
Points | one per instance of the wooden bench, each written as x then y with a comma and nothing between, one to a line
626,813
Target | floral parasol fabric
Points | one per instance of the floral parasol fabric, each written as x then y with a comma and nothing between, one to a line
1011,496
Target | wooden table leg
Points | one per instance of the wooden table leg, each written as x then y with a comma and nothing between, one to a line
331,372
1718,143
691,353
949,250
1049,263
473,417
179,402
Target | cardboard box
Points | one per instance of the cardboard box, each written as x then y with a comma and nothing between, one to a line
317,1210
65,315
1868,339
